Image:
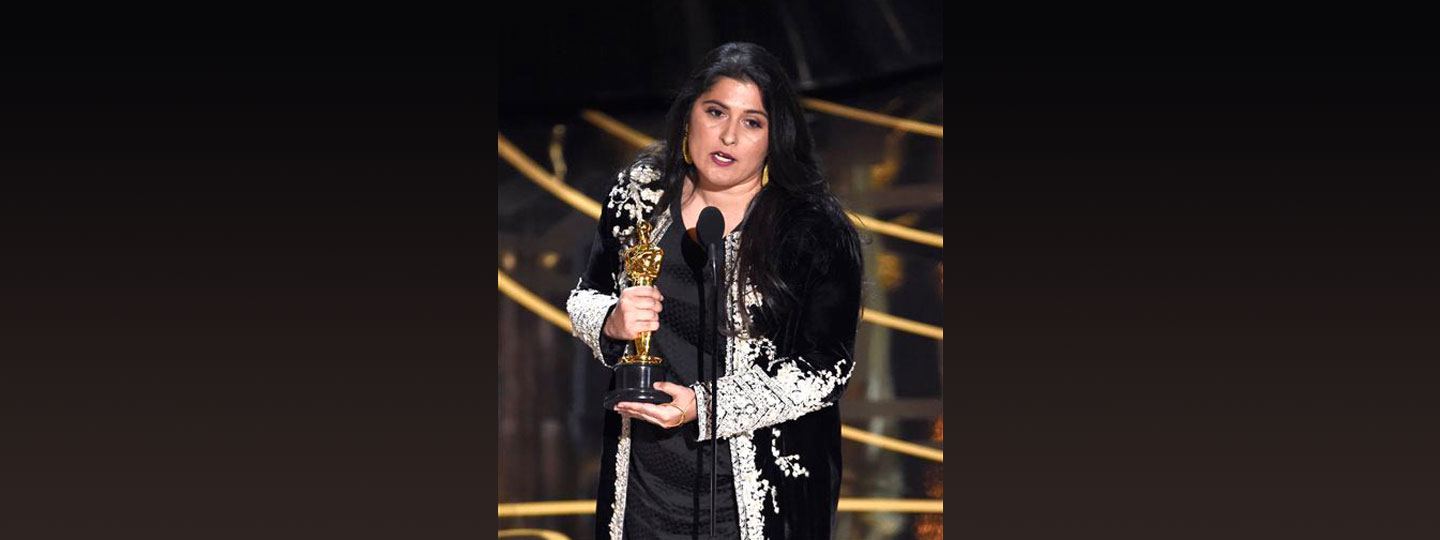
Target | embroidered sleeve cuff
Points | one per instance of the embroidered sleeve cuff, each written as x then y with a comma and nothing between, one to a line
702,410
753,399
588,310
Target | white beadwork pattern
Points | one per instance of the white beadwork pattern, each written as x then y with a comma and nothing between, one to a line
750,488
587,308
788,464
622,481
702,411
661,224
753,399
632,199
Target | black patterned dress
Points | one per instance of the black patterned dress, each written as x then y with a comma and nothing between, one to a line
778,422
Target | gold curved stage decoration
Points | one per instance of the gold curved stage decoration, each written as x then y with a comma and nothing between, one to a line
591,208
543,534
846,504
547,508
545,180
862,115
896,445
905,325
550,313
640,140
525,298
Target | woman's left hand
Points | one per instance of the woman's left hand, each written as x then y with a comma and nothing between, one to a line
680,410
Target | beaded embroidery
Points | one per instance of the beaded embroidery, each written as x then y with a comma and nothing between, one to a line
750,488
622,481
788,464
631,199
587,308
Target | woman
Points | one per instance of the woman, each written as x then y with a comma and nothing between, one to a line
745,149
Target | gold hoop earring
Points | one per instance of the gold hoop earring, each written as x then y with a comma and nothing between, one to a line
685,146
765,175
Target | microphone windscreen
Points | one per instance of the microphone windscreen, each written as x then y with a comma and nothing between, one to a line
711,226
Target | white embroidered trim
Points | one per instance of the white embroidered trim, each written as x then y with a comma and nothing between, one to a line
732,287
732,255
622,481
661,224
753,399
702,410
587,308
788,464
750,488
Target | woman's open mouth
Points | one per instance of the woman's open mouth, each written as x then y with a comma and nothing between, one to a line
722,159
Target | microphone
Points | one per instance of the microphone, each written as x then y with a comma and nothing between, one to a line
711,229
710,226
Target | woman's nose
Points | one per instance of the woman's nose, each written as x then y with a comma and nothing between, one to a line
727,134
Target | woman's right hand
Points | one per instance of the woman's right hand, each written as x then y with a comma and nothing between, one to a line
638,311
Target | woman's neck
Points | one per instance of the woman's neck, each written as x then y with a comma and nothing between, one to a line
731,201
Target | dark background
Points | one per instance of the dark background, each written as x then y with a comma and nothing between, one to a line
1199,290
241,292
635,54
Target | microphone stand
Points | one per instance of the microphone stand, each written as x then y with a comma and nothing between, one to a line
717,254
711,227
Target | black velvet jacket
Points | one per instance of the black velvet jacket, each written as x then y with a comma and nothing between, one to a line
778,400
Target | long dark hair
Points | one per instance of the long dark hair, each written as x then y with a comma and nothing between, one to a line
796,191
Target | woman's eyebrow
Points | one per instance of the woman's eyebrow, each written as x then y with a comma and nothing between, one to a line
727,107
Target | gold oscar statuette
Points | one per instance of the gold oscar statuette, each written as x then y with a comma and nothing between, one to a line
642,264
636,374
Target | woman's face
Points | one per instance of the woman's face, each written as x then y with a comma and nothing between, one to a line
729,134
